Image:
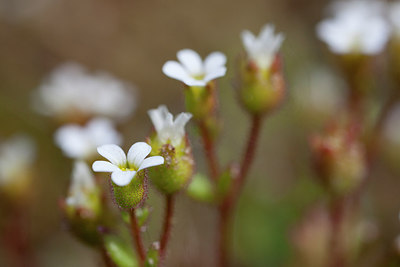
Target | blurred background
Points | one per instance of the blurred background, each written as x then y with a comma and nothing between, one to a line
132,39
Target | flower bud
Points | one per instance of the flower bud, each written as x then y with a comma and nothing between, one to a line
261,81
339,159
83,206
17,156
170,142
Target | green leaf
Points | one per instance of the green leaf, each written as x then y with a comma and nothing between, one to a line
201,188
121,253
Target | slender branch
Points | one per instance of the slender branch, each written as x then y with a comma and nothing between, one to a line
228,204
169,211
337,211
209,149
137,237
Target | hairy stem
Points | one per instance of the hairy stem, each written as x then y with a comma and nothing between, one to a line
209,149
169,211
228,204
137,237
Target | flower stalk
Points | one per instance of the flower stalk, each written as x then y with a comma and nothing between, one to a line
137,238
167,227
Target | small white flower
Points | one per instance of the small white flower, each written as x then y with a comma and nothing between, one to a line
356,27
394,15
166,127
262,49
82,186
70,90
192,71
81,142
16,157
124,168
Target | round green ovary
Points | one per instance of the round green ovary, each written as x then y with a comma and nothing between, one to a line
128,197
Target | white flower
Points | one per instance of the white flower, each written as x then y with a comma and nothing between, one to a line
123,169
16,157
70,90
166,127
81,142
192,71
356,27
262,49
394,15
82,186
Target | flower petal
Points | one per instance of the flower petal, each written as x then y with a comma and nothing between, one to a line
175,70
215,74
122,178
214,61
248,40
137,153
113,153
158,116
151,161
191,61
104,166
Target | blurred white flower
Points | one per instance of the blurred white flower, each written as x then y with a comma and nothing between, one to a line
81,142
394,15
166,127
262,49
192,71
356,27
124,168
16,157
82,187
70,90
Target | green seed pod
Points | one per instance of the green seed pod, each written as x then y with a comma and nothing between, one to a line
132,195
261,90
177,170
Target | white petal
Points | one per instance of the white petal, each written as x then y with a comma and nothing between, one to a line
193,82
175,70
114,154
191,61
179,128
248,40
151,161
158,116
215,74
122,178
214,61
137,153
104,166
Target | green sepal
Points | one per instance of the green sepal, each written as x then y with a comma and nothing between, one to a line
132,195
201,189
120,252
153,255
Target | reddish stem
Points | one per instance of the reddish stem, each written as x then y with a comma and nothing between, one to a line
169,211
106,257
337,211
228,204
209,149
137,237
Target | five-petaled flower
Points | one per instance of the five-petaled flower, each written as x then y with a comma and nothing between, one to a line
192,71
262,49
166,127
124,168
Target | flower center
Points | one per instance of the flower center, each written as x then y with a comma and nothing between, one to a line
199,76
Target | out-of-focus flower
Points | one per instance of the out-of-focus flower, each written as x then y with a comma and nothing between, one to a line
124,168
171,143
394,15
81,142
17,156
192,71
70,91
262,49
83,192
166,127
357,27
